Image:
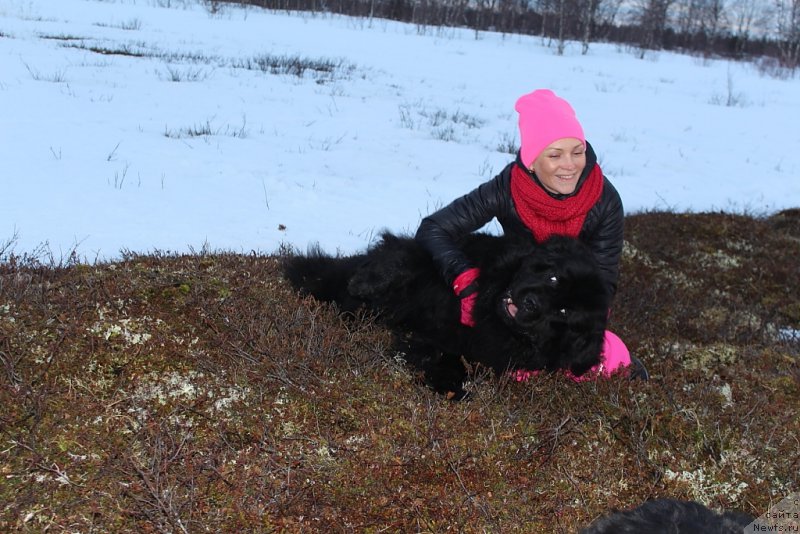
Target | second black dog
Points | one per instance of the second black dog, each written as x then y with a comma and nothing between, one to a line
670,516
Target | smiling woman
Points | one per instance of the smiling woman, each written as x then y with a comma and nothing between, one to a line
554,187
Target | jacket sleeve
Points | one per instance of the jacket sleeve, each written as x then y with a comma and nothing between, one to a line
607,236
439,232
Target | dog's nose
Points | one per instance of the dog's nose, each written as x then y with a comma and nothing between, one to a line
530,303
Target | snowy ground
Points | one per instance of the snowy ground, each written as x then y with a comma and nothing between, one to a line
189,143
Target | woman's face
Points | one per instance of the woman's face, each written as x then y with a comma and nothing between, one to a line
560,165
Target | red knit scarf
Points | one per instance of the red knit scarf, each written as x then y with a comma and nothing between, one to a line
545,215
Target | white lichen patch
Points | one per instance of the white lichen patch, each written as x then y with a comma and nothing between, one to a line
325,454
131,331
97,383
739,245
630,252
40,354
724,478
281,400
656,455
289,429
122,330
205,393
745,320
716,260
727,395
168,387
92,457
678,277
229,396
718,316
355,441
6,313
160,389
705,488
710,356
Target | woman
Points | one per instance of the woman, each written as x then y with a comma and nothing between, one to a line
555,186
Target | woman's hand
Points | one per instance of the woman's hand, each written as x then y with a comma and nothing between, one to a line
465,287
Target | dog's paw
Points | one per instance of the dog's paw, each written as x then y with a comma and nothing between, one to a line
446,375
456,396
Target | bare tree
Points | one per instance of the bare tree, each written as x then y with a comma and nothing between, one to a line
561,23
687,19
545,8
589,9
713,18
511,12
747,16
788,28
605,17
482,7
652,16
567,14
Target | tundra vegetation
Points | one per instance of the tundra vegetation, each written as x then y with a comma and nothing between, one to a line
198,393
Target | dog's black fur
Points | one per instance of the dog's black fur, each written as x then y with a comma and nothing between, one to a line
670,516
554,289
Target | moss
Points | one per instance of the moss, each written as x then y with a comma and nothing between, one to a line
791,312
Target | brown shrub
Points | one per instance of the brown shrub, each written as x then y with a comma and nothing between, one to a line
165,393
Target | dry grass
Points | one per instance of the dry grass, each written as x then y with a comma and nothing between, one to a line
198,393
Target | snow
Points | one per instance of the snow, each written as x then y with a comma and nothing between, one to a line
97,154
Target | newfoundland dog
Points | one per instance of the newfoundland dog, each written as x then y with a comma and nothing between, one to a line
670,516
539,306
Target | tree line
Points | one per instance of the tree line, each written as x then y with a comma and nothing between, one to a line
766,31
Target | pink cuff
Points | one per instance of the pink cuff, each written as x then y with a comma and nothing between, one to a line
464,279
467,305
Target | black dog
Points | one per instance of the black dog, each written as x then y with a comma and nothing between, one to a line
539,307
663,516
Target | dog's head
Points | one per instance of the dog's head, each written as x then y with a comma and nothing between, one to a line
555,295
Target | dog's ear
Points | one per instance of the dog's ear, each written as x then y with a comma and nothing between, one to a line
502,264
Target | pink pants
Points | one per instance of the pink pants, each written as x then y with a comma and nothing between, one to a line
615,357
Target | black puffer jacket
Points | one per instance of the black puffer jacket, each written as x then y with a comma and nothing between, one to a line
601,231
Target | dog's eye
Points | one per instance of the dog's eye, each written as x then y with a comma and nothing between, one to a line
562,312
554,280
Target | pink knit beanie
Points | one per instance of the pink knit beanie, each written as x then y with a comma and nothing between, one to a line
543,119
